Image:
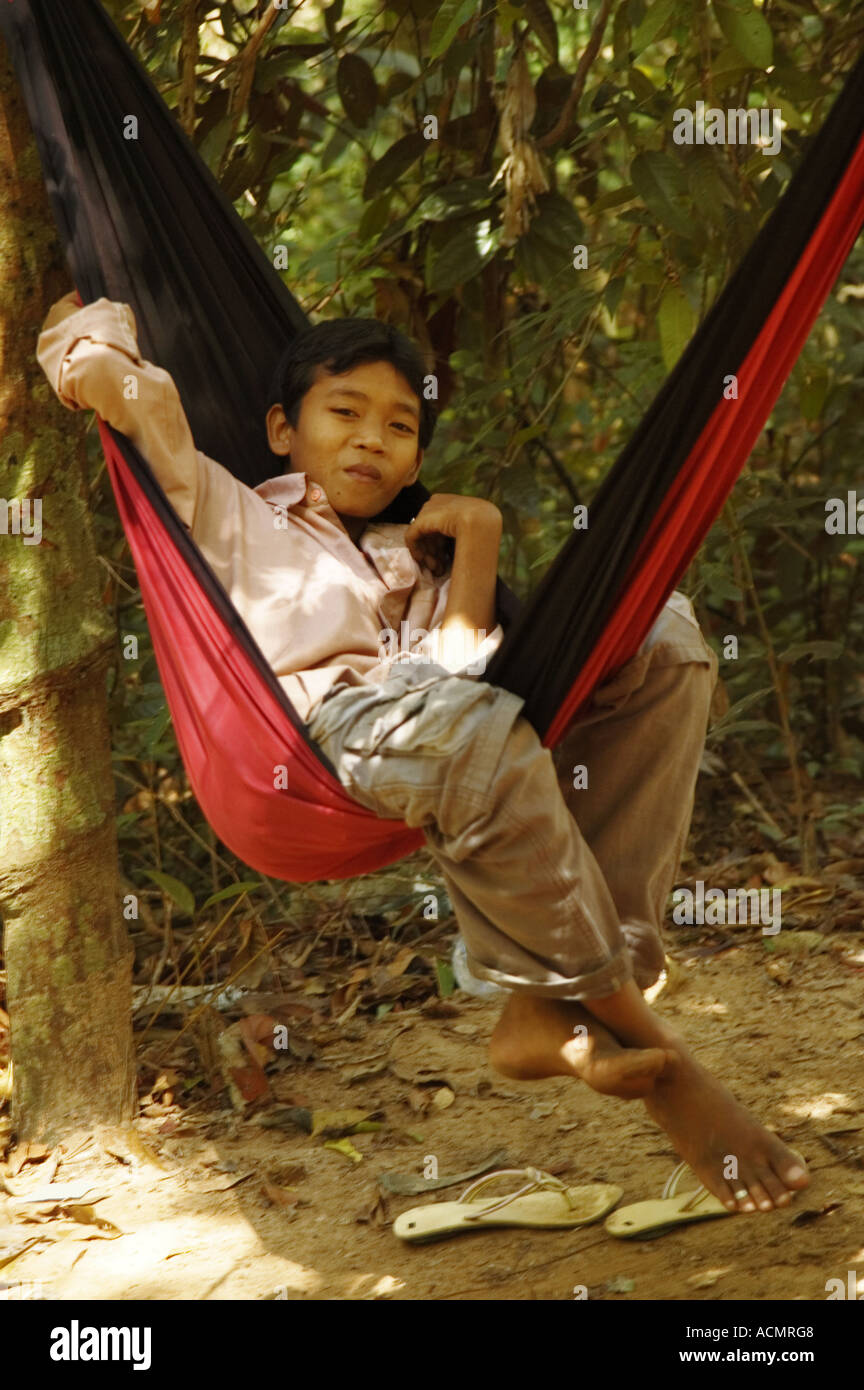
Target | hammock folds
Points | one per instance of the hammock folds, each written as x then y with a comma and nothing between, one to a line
143,221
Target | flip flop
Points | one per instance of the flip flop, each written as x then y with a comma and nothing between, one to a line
649,1219
544,1203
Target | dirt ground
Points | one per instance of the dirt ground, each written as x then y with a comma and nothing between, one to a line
215,1205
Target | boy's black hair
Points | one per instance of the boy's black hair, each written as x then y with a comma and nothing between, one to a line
338,345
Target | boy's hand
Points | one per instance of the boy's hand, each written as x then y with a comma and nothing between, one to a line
443,521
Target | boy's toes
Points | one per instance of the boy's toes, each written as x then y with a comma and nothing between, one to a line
795,1173
758,1199
777,1191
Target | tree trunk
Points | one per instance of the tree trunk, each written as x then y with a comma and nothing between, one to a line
68,957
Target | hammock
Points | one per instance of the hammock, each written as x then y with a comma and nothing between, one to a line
143,221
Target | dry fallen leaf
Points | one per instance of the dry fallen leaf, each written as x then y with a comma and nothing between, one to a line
15,1246
127,1146
282,1197
407,1185
243,1076
87,1216
56,1193
336,1122
352,1075
400,962
376,1214
26,1153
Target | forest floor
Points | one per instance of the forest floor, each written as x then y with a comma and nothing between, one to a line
212,1200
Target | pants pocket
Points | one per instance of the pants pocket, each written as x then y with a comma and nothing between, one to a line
430,722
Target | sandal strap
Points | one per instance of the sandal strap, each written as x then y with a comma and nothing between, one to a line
537,1179
671,1187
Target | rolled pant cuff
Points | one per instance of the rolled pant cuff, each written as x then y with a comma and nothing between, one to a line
593,984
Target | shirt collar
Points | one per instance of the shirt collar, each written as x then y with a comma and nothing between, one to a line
286,490
382,542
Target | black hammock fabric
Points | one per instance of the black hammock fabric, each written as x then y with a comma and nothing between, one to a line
143,221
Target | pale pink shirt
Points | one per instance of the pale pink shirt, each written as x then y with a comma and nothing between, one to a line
321,609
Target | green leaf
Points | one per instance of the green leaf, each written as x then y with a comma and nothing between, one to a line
458,55
811,397
557,222
374,219
453,198
446,978
659,181
400,156
647,272
176,890
332,15
339,141
641,86
728,70
748,31
746,702
212,147
719,583
450,17
358,90
655,21
463,255
614,198
523,436
232,891
345,1148
817,651
542,21
675,322
708,191
612,293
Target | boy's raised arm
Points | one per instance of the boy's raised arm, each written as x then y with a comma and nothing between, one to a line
90,356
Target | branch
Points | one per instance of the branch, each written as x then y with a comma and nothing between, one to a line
248,57
591,50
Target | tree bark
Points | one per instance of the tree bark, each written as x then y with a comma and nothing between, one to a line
67,953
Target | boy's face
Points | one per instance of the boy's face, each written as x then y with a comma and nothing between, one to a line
357,435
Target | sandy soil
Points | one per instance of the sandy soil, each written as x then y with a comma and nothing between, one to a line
241,1211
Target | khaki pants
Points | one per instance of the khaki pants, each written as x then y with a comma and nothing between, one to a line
558,891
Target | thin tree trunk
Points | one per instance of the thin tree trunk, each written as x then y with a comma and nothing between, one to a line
68,957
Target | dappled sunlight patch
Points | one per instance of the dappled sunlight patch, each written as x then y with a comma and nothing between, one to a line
824,1106
703,1007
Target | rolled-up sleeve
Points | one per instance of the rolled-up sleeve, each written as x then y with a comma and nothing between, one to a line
91,358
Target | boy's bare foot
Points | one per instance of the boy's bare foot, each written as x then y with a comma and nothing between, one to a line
535,1038
708,1127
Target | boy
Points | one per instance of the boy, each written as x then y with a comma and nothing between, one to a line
564,916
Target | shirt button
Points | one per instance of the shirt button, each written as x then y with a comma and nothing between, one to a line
315,494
